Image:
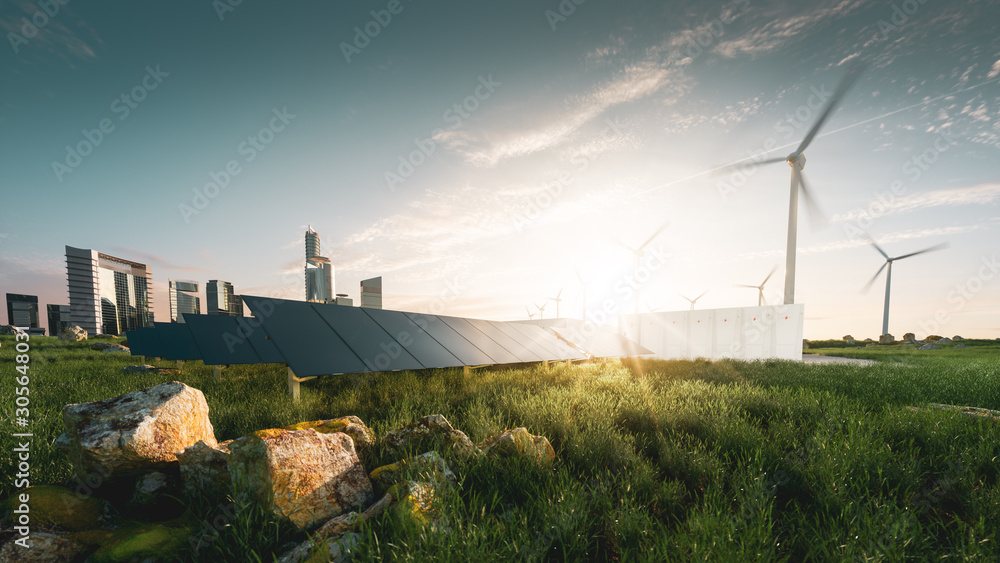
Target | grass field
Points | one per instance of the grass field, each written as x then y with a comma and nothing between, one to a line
678,461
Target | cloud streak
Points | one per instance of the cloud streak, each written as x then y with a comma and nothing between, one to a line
970,195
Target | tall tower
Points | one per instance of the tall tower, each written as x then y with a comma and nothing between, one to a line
318,271
371,293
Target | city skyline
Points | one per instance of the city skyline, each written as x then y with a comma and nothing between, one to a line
478,155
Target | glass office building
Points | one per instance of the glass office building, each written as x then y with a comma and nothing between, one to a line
107,294
59,318
371,293
222,300
22,310
318,271
184,299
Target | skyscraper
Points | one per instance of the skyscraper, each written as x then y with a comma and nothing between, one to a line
371,293
59,318
222,300
107,294
183,299
22,310
318,271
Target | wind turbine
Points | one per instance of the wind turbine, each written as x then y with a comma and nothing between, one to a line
797,162
759,288
530,314
637,253
557,299
888,276
541,310
695,299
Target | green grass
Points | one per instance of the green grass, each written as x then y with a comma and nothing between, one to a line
656,460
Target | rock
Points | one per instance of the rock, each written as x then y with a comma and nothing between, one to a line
46,546
909,336
416,502
73,334
886,339
205,470
956,338
870,344
848,338
518,442
124,343
434,429
944,341
156,494
961,346
933,338
430,466
146,368
115,348
929,346
99,346
137,432
142,543
331,532
302,475
8,330
54,505
351,425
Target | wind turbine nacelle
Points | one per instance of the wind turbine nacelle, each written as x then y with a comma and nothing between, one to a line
796,158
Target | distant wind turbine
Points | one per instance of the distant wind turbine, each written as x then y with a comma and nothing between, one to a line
637,253
530,314
797,162
759,288
541,310
557,299
888,276
693,301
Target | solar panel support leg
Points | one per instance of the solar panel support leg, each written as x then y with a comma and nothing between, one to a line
156,362
293,386
180,364
215,373
569,363
545,364
466,371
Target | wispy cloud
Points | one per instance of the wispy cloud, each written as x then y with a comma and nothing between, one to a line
780,28
65,35
969,195
155,260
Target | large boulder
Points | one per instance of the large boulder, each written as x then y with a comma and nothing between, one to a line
115,348
101,346
431,429
205,470
929,346
944,341
933,338
137,432
909,338
73,334
334,540
54,505
848,338
302,475
144,542
518,442
886,339
351,425
957,338
430,466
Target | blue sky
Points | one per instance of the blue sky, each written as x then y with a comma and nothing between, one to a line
476,155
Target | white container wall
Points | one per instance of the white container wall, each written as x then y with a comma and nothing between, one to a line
746,333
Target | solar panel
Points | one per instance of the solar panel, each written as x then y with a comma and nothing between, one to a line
556,347
600,343
254,331
415,340
458,345
523,341
134,343
308,344
151,345
489,346
178,344
377,349
220,340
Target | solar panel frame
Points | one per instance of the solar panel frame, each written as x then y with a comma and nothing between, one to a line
308,344
452,340
178,343
415,340
369,341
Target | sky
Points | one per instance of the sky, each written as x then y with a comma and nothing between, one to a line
483,157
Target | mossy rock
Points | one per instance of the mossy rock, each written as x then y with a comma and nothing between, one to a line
351,425
415,502
142,541
58,506
520,443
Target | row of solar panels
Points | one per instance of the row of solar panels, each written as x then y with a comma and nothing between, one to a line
321,339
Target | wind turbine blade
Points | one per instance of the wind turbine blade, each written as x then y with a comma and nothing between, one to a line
877,247
875,277
749,162
558,295
650,239
773,270
816,217
931,249
845,84
702,295
685,298
741,285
